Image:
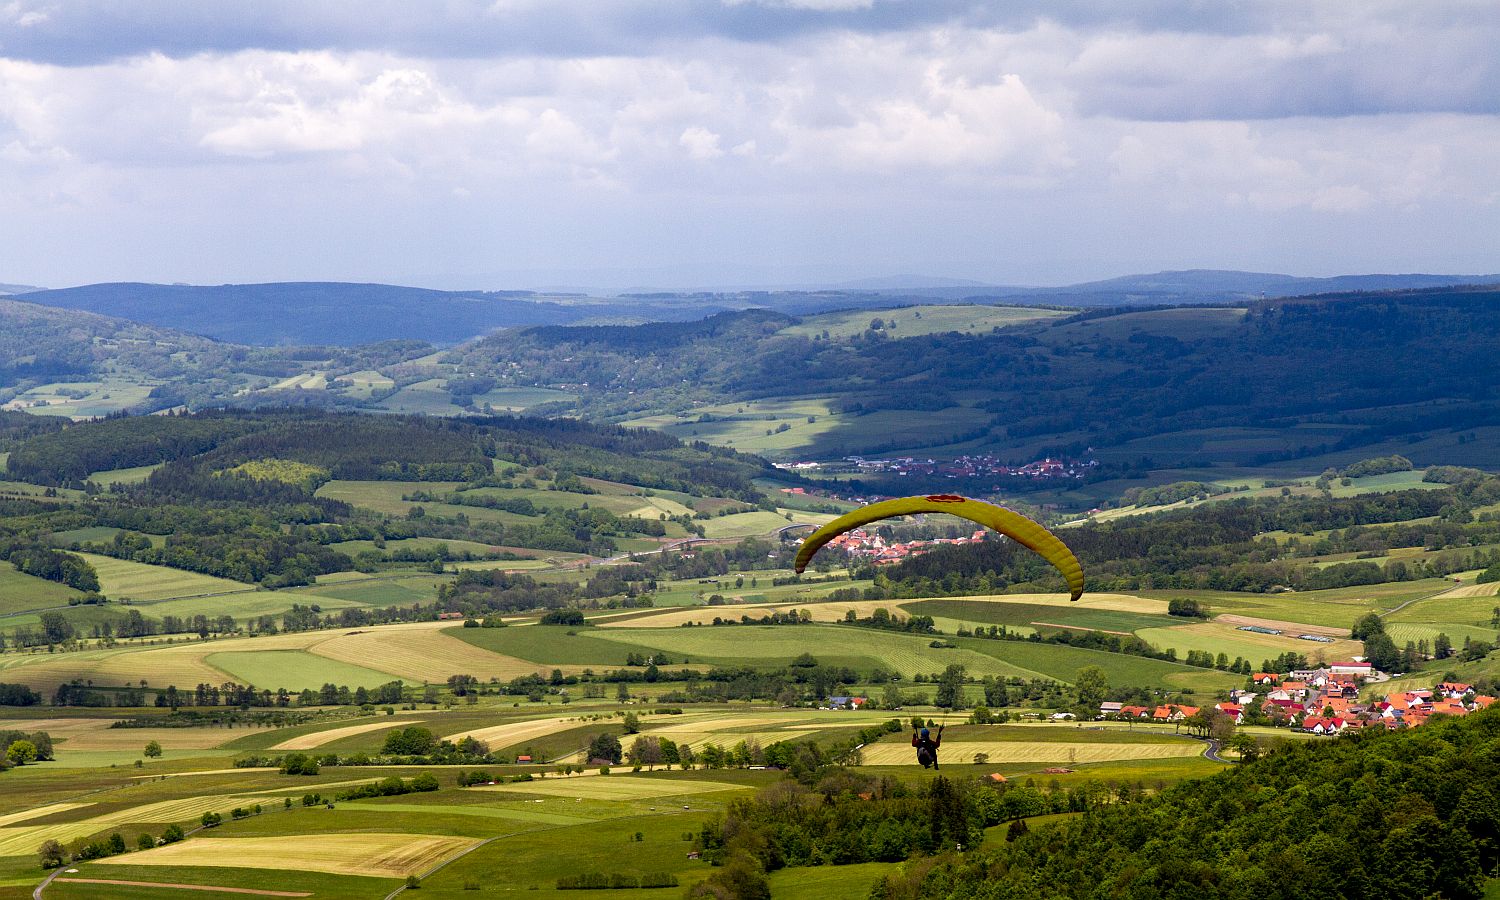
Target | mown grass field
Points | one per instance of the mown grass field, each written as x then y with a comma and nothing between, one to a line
756,427
1077,616
1217,637
614,787
543,644
417,652
364,590
390,855
83,399
120,579
20,592
955,752
915,321
272,669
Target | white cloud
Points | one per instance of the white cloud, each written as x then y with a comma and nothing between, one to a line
700,143
965,121
819,5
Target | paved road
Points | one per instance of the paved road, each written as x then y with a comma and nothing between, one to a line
1211,751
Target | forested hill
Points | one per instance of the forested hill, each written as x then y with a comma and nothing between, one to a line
310,312
1313,374
1410,814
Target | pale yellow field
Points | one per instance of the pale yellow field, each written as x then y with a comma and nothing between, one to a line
95,734
1474,590
516,732
955,752
418,651
178,810
717,723
725,741
835,611
180,665
613,787
1210,636
1295,627
24,840
422,652
820,612
1116,602
12,818
319,738
380,855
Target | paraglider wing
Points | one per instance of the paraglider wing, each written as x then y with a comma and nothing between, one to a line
1011,524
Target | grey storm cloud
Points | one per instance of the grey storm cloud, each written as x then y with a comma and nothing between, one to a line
1149,60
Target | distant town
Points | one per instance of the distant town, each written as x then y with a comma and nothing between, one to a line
979,466
861,544
1322,700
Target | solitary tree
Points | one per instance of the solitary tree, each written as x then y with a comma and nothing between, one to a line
606,747
153,750
1092,684
50,854
950,692
21,753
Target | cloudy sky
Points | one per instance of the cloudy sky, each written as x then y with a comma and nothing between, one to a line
678,143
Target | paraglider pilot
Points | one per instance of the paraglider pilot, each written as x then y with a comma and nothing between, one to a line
927,746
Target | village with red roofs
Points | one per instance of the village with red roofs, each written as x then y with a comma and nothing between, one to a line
1322,701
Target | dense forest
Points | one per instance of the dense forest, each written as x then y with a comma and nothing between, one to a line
235,494
1075,381
1410,814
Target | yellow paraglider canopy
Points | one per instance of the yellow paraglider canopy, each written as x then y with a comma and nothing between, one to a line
1011,524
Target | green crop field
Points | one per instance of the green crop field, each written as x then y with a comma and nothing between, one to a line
515,399
134,475
551,644
426,398
84,399
20,592
375,591
454,546
1335,608
294,670
852,882
1062,663
915,321
746,524
94,534
999,613
385,497
121,578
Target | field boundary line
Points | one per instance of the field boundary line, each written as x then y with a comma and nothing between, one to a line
447,862
36,894
218,889
1392,612
1081,628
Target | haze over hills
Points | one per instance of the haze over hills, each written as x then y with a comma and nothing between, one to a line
348,314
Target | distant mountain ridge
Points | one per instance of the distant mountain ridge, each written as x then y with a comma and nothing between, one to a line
350,314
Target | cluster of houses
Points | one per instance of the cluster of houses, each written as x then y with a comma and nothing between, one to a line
870,545
977,466
1324,700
